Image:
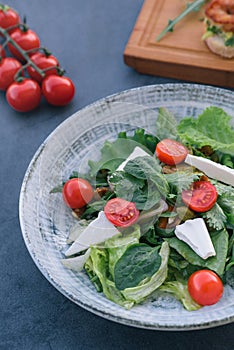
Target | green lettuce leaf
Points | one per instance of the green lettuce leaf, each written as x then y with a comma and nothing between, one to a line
211,128
99,258
166,125
180,292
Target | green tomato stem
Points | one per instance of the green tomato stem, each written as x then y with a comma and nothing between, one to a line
191,7
4,8
24,53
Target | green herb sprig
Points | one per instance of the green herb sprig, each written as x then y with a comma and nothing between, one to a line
194,6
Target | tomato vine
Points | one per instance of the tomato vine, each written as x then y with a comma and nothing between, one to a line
22,58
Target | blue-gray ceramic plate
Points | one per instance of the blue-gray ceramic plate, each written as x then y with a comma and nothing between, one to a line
45,220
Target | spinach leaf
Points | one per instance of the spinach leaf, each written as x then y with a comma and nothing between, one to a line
148,169
125,185
141,182
148,140
149,285
215,263
229,276
137,263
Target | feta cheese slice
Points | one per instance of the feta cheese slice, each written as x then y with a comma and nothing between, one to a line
194,232
211,169
137,152
96,232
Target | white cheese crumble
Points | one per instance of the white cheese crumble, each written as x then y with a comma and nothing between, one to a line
96,232
194,232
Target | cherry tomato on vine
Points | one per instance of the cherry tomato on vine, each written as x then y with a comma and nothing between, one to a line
200,197
2,53
205,287
24,96
77,193
121,212
8,17
9,66
27,39
42,61
58,90
171,152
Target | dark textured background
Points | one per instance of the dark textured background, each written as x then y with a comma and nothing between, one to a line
88,37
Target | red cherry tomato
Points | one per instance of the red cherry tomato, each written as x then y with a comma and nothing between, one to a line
171,152
9,66
200,197
77,193
42,61
121,212
58,90
8,17
2,53
205,287
26,39
24,96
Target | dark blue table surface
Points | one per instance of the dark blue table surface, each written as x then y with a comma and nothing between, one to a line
89,38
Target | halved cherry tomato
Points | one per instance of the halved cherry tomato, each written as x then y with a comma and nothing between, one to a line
2,53
121,212
58,90
26,39
9,66
171,152
24,96
205,287
200,197
77,193
42,61
8,17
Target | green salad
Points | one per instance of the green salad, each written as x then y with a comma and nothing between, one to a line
148,221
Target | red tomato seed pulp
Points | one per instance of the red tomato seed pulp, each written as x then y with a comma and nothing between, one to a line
200,197
121,212
171,152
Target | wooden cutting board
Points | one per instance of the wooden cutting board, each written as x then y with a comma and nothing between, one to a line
181,54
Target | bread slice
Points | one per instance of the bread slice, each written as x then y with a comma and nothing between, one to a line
216,44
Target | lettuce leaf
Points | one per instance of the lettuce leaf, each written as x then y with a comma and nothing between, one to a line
101,262
180,292
211,128
99,259
166,125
